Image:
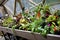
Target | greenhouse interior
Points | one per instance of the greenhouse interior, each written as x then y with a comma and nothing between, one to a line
29,19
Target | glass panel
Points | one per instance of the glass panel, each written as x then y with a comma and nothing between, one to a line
55,4
10,4
27,4
52,1
55,7
18,9
37,1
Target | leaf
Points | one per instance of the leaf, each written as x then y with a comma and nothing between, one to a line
39,29
32,29
13,27
7,21
46,27
58,22
52,29
44,32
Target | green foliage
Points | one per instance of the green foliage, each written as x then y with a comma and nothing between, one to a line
57,12
38,8
46,7
13,27
44,25
58,22
51,18
52,29
7,21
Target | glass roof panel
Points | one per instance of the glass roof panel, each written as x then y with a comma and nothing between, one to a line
27,4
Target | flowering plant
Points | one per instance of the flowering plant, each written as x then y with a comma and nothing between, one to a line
41,21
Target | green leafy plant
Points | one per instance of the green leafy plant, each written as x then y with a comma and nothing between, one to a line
43,21
7,21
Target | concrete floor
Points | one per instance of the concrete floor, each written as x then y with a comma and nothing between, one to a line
2,38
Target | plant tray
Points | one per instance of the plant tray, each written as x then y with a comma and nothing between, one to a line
29,35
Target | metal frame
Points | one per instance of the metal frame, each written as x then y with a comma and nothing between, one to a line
21,5
2,5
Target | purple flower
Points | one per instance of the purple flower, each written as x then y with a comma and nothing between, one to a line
49,24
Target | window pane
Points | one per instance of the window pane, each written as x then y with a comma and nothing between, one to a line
27,4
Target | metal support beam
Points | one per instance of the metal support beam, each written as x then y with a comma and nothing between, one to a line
32,2
21,5
14,7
